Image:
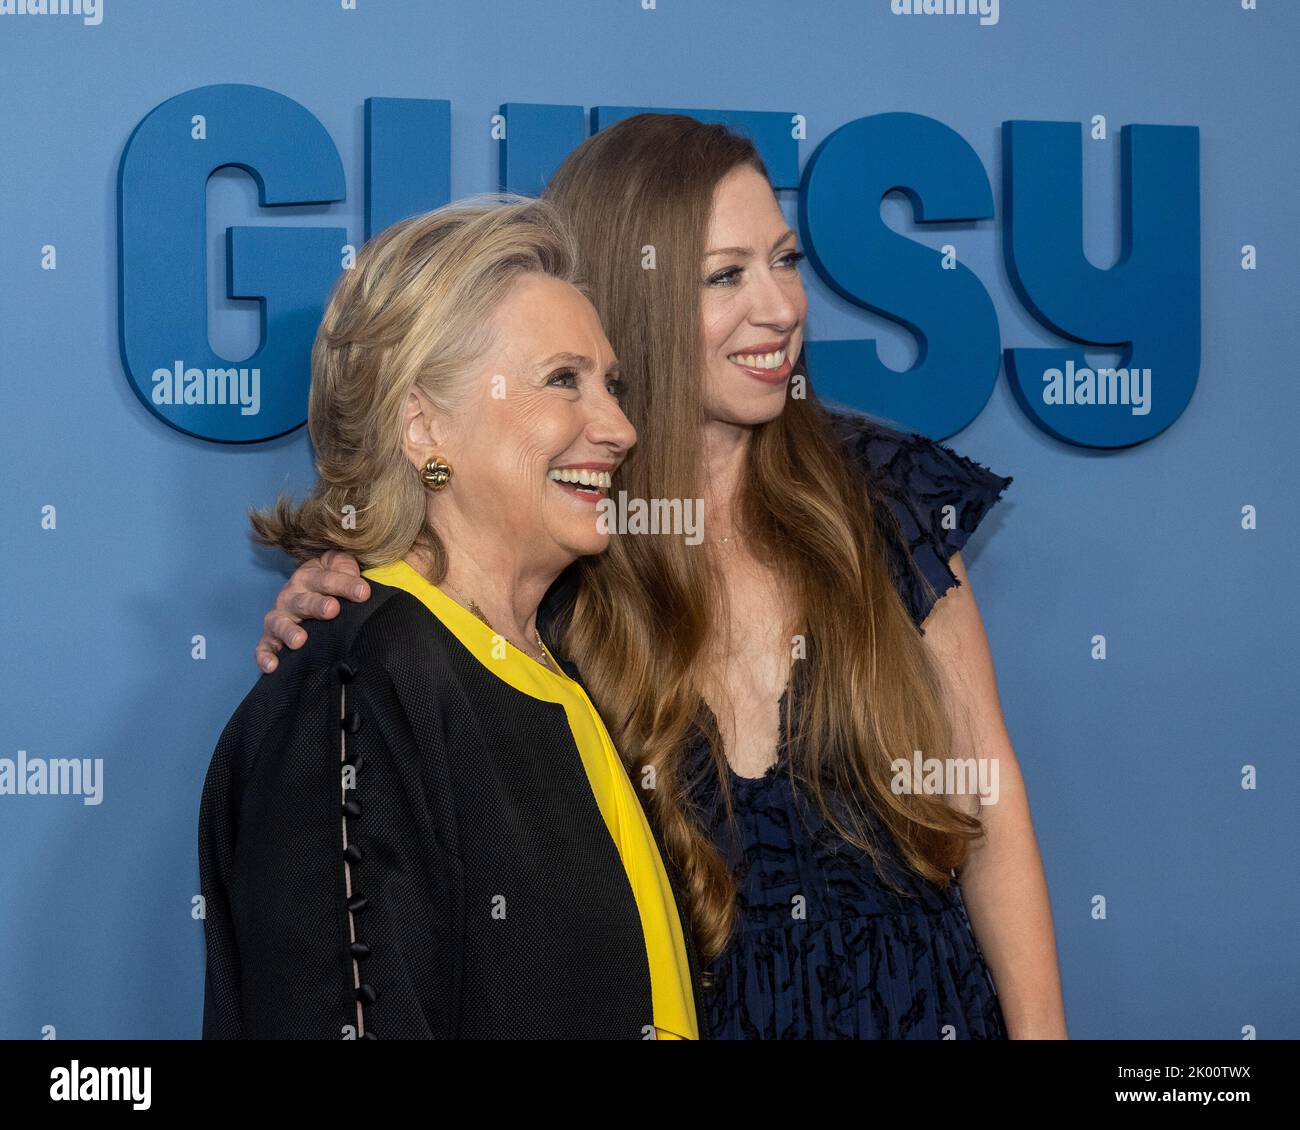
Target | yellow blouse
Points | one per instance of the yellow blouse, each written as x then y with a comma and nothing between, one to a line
670,979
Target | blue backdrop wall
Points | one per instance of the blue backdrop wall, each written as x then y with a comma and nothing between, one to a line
1163,777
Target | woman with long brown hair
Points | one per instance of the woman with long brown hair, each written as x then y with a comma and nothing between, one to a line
775,689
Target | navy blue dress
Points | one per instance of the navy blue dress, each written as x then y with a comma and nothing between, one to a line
856,961
824,949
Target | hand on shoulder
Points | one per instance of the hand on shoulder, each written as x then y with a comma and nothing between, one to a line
309,595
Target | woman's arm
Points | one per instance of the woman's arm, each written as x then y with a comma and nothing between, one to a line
1003,882
308,595
327,889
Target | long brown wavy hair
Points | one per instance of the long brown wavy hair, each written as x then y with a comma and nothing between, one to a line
645,610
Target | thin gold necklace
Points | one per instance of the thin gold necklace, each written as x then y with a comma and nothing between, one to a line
542,657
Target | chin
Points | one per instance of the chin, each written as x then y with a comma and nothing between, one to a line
747,404
585,541
597,543
754,410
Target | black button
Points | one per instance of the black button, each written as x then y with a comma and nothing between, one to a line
366,994
346,672
351,721
352,808
358,903
352,757
354,854
369,1035
359,950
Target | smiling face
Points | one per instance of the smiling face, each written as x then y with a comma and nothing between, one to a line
535,434
753,305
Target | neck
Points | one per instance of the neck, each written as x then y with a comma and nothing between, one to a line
726,450
494,573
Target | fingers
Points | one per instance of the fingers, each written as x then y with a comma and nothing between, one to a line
279,628
300,606
309,595
265,653
335,560
342,576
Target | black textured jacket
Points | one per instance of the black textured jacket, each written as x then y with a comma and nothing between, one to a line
367,806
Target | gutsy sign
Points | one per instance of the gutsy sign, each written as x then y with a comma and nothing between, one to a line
1147,306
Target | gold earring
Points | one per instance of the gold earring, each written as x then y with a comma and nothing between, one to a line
436,473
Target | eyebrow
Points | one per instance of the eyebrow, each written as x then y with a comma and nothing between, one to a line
748,250
578,361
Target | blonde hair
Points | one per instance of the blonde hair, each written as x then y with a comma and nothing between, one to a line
414,312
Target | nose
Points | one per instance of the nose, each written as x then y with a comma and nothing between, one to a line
778,301
608,426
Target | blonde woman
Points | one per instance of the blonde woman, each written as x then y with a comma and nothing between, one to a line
418,827
768,680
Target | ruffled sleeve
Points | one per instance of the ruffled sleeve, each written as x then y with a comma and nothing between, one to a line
918,478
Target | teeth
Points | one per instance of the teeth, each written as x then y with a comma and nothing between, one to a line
760,360
584,478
